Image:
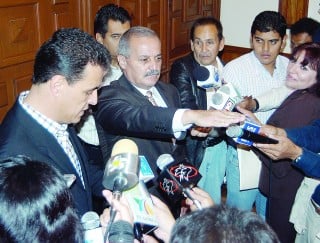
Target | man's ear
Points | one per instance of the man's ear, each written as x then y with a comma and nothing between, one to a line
56,84
251,40
284,42
122,61
191,45
221,44
99,38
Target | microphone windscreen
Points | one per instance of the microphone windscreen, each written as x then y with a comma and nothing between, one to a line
217,99
234,131
225,89
200,73
164,160
121,232
124,146
90,220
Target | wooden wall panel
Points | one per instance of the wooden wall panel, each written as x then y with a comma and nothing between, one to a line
19,32
14,79
293,10
181,15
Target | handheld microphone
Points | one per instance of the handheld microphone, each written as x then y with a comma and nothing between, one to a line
225,98
91,225
207,77
121,232
121,171
200,73
238,132
176,179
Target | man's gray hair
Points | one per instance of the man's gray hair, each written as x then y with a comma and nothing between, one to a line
136,31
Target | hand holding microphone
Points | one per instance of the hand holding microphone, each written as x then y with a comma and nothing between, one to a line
200,195
176,179
121,172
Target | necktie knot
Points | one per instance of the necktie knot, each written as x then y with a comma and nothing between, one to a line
150,97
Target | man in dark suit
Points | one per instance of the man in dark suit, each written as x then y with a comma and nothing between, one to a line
68,70
124,111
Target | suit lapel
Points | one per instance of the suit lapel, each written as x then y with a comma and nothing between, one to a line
45,142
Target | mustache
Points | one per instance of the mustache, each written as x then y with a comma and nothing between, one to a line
152,72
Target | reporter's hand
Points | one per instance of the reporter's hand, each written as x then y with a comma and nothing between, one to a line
249,114
202,196
282,150
121,206
165,219
271,130
248,103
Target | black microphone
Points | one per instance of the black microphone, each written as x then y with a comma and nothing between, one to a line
176,179
238,132
121,232
200,73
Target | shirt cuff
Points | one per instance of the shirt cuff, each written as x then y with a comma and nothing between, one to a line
177,125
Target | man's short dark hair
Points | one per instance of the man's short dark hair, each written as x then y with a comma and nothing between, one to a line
304,25
35,203
207,21
269,21
107,12
221,224
67,53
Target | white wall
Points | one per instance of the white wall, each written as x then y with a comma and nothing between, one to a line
237,16
314,6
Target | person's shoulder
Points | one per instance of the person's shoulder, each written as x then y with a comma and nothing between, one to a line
167,87
186,58
283,59
239,60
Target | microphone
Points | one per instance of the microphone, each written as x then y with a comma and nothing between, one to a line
121,171
252,137
225,98
207,76
176,179
200,73
121,232
91,225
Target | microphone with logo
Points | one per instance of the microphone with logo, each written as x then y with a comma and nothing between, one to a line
225,98
248,135
177,179
121,171
207,77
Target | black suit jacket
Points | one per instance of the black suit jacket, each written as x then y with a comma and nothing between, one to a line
21,134
192,97
123,112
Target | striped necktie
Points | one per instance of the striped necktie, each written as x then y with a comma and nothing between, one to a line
151,98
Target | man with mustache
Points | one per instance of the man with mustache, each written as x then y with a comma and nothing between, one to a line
208,154
157,125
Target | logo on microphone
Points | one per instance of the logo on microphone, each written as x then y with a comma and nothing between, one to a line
185,174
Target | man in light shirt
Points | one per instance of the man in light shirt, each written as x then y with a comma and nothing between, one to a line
252,74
